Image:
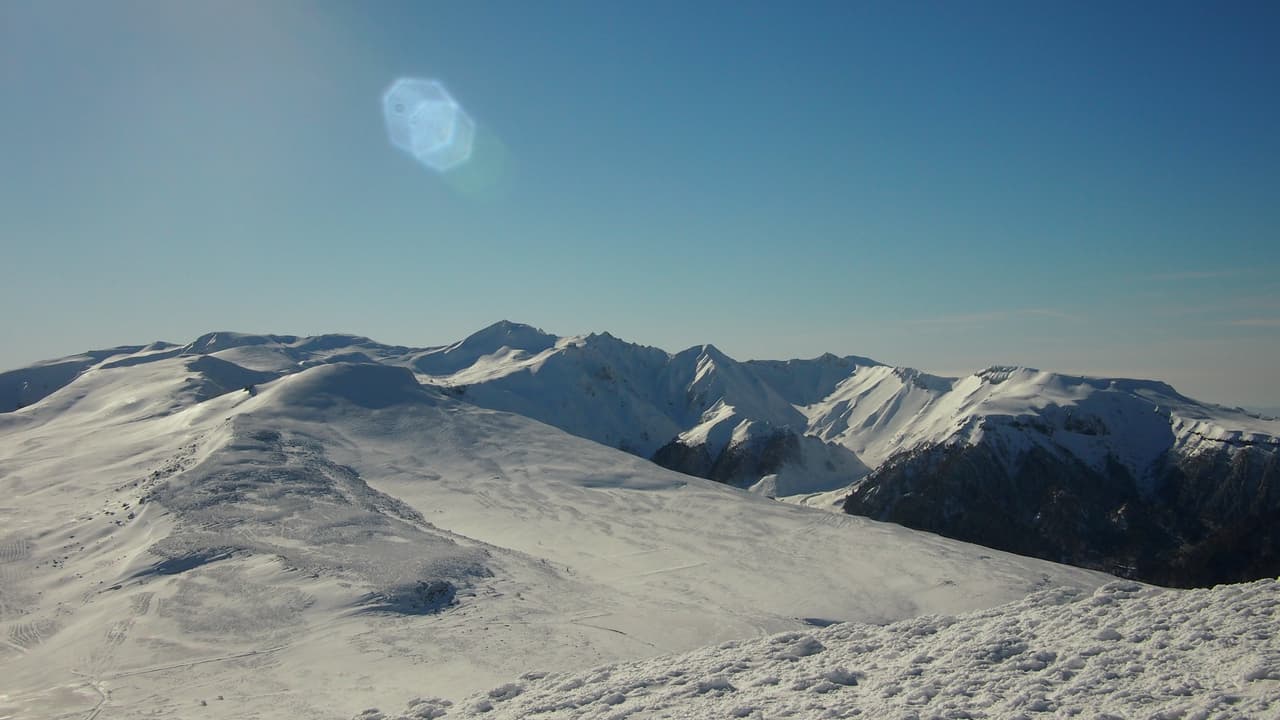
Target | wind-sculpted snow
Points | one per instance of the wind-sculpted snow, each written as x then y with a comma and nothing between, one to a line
216,377
364,385
493,340
1125,651
26,386
278,496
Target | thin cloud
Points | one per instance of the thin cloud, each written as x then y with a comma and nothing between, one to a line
981,318
1257,306
1257,322
1199,274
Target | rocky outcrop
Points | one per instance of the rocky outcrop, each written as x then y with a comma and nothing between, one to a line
746,462
688,459
1208,517
775,462
740,464
1227,501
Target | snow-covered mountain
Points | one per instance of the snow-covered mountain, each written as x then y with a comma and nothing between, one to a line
274,526
1125,651
697,411
1123,475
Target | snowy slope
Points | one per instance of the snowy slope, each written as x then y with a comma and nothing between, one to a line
1122,475
645,400
804,426
19,388
251,526
1126,476
1132,477
700,411
1124,651
889,410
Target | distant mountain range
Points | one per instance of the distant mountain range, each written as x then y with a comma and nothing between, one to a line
1122,475
280,527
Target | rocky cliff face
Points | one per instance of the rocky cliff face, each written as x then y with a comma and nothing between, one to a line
1207,517
1227,504
739,464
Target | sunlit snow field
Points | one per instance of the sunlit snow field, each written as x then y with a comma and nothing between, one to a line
343,537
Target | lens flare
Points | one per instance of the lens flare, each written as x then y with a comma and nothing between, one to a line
425,121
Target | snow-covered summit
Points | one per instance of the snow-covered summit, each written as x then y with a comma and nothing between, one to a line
503,341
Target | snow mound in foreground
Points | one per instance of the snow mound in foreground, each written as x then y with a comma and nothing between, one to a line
1127,650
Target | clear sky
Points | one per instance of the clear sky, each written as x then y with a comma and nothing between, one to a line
1089,187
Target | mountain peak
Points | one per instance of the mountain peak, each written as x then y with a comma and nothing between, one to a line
483,343
514,335
509,326
222,340
997,374
712,352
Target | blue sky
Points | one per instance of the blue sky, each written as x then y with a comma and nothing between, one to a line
1087,187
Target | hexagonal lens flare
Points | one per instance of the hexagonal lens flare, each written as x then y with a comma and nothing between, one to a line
425,121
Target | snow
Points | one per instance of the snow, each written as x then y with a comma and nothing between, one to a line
639,398
879,412
371,523
345,536
509,341
1126,650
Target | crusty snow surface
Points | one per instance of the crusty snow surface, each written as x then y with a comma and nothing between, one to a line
1124,651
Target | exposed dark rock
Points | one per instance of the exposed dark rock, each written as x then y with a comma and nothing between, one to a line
1210,517
688,459
742,464
423,597
766,452
738,464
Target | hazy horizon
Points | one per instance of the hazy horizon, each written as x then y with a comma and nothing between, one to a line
1085,189
945,372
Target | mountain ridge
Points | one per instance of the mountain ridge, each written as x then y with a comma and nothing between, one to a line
339,534
846,433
